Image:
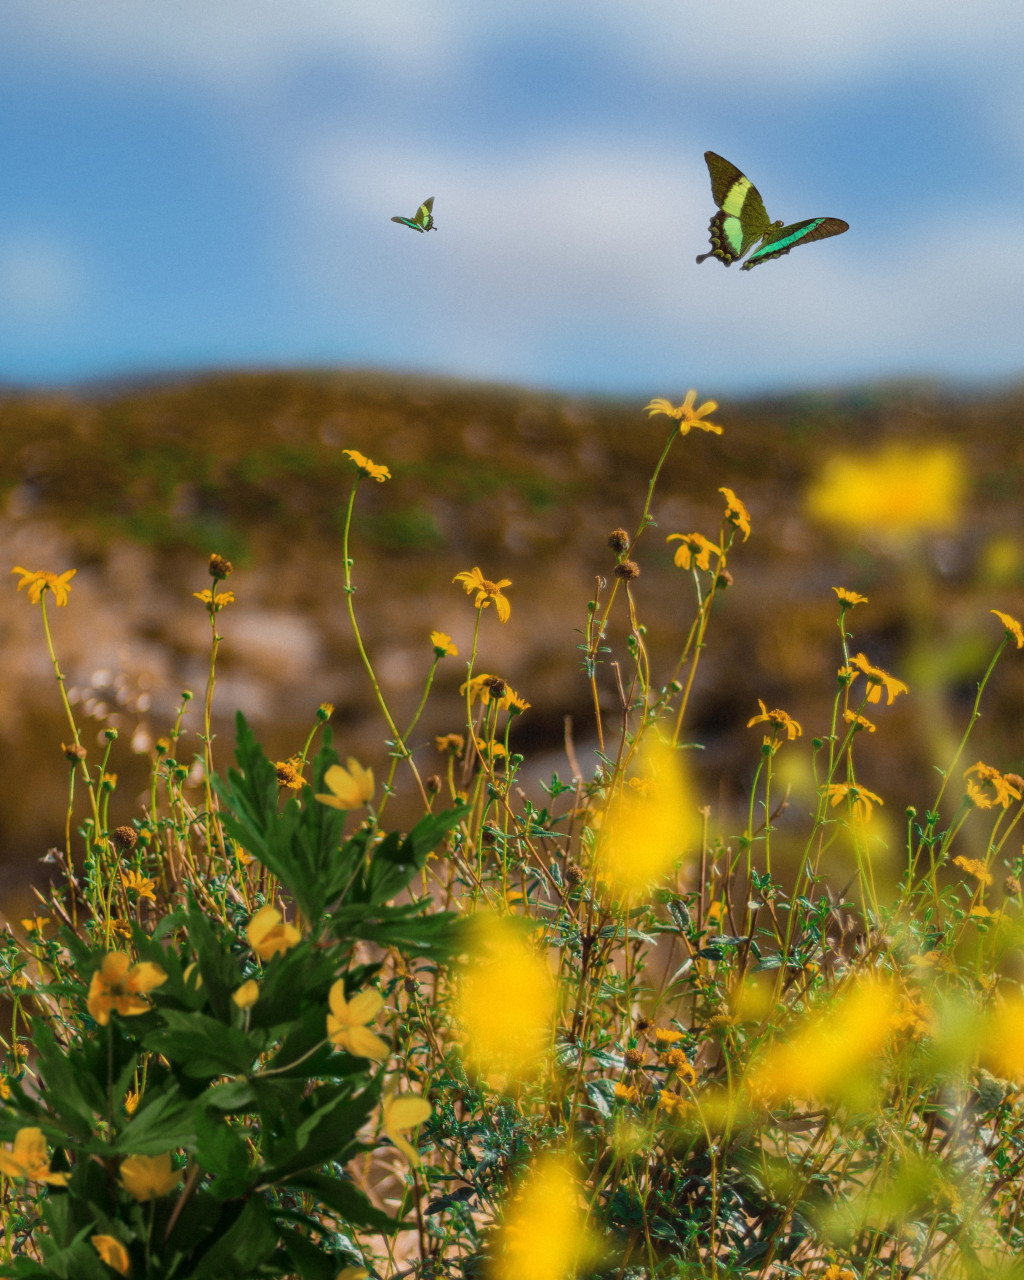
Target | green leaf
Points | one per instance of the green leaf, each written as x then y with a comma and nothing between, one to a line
202,1046
239,1251
163,1121
346,1200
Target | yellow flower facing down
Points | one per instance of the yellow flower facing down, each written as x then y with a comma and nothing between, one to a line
39,581
149,1177
506,1003
113,1253
119,986
1012,627
685,414
372,470
878,681
444,645
215,599
487,592
401,1112
694,551
899,493
349,788
736,513
269,935
30,1159
849,598
860,799
647,828
346,1022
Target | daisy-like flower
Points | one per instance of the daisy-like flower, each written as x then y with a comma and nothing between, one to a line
40,580
849,598
1012,626
687,416
860,799
121,987
289,774
695,551
781,722
736,513
487,592
404,1111
492,689
139,884
346,1022
372,470
113,1253
450,744
858,722
268,935
878,681
215,600
30,1159
444,645
1002,790
349,787
974,868
149,1177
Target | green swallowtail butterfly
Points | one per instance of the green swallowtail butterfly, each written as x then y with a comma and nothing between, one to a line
741,220
422,219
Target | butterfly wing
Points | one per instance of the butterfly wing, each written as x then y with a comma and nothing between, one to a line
741,220
422,219
780,240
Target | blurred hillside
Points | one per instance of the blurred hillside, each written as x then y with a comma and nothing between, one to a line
136,486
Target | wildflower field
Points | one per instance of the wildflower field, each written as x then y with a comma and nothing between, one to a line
326,1018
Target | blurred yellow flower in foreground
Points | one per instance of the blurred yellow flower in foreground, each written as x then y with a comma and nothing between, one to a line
268,935
147,1177
119,985
30,1159
544,1235
113,1253
39,581
646,828
349,787
902,491
506,1003
1002,1039
832,1052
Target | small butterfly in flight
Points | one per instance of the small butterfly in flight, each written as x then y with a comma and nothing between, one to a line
741,221
422,219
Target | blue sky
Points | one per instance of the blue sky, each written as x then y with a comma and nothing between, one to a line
187,184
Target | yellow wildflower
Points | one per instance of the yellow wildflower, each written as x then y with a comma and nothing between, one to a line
444,646
373,470
987,776
118,985
268,935
858,722
974,868
40,580
30,1159
113,1253
139,884
247,994
346,1023
545,1235
1012,627
289,773
147,1177
736,513
780,721
687,416
404,1111
35,924
849,598
860,799
216,599
878,681
695,551
350,787
487,592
